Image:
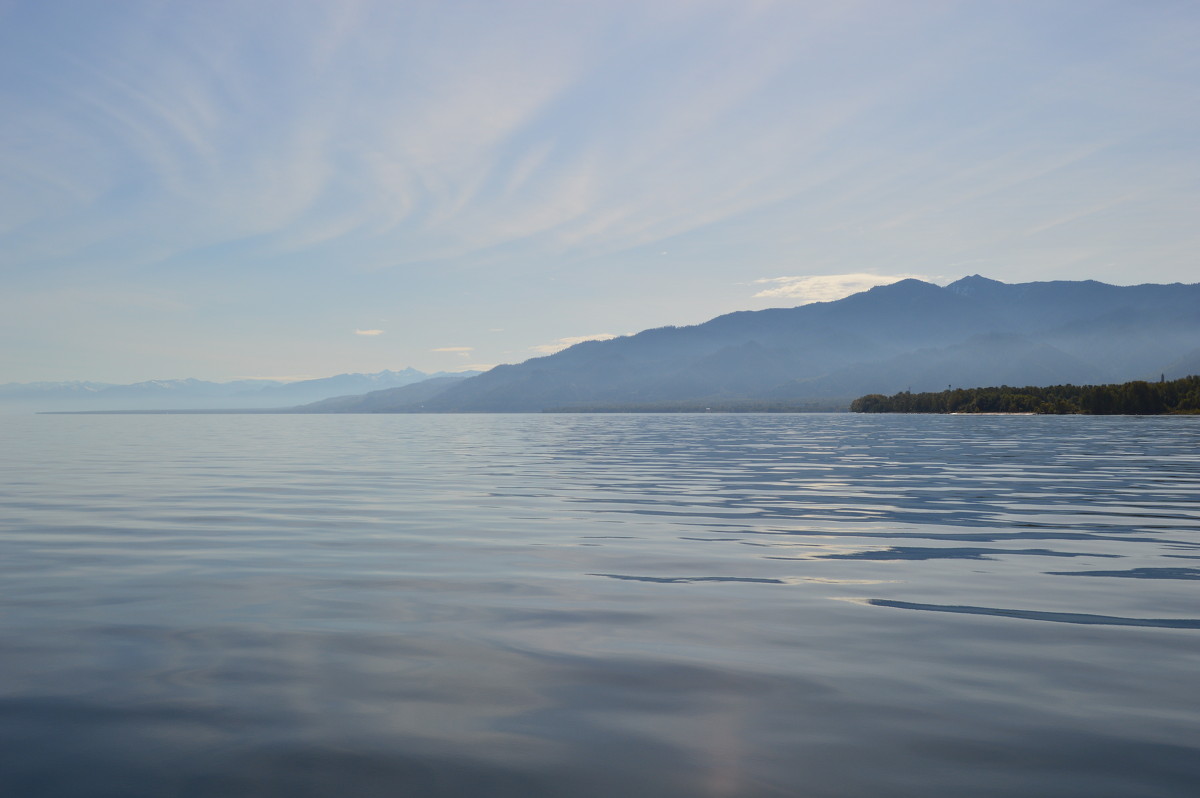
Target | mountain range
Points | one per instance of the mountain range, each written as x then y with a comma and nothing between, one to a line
910,335
183,394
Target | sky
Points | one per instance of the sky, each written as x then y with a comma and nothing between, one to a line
299,188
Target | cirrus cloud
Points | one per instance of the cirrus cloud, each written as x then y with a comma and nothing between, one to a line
461,351
368,332
826,287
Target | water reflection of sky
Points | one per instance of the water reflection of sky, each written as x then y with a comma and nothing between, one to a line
599,605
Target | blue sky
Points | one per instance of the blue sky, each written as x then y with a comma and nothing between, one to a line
299,188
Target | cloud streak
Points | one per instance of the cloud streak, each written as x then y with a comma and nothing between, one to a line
523,130
368,332
826,287
461,351
563,343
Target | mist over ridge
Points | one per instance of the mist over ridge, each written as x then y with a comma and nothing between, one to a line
907,335
194,394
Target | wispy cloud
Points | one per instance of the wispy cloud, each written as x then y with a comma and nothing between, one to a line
563,343
461,351
523,129
346,154
826,287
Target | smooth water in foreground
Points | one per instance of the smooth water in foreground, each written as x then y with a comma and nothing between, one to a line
655,605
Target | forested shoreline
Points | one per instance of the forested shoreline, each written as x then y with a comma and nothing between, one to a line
1138,398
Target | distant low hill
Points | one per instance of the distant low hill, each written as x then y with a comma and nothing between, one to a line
199,394
385,401
909,335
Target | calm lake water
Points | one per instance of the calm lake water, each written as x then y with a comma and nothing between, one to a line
609,605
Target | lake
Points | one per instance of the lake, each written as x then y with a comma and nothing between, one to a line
599,605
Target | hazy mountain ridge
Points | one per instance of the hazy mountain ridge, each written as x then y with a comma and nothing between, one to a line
907,335
384,401
200,394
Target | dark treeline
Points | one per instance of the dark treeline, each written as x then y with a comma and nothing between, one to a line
1131,398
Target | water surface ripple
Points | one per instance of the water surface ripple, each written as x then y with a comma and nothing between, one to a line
575,605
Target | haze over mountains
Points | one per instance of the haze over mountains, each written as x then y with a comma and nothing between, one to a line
187,394
907,335
910,335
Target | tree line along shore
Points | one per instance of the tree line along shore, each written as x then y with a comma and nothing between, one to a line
1137,398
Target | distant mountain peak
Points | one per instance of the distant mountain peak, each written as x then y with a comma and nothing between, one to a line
974,284
908,287
906,292
907,284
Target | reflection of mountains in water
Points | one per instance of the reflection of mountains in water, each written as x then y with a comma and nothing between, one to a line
1038,615
1138,573
680,580
910,335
